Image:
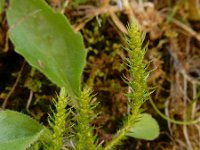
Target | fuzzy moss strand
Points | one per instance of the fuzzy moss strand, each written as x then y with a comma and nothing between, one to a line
58,121
85,138
137,83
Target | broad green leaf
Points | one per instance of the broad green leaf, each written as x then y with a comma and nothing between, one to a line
146,128
48,42
18,131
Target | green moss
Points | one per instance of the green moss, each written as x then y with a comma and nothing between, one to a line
138,91
84,131
58,121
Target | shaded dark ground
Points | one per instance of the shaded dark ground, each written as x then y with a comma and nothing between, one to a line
172,32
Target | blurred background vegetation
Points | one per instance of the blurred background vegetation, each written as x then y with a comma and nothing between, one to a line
172,33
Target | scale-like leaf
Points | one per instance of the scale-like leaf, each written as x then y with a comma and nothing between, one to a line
18,131
146,128
47,41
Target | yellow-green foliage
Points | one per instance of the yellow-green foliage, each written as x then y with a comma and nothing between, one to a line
85,140
58,121
137,83
83,135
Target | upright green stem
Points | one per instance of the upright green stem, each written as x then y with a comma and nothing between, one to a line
85,138
121,134
137,83
58,121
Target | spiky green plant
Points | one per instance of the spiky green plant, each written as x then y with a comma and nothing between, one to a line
85,140
58,120
138,92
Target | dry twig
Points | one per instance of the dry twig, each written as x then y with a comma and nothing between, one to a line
13,87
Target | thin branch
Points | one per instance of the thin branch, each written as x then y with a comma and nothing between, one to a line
13,87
